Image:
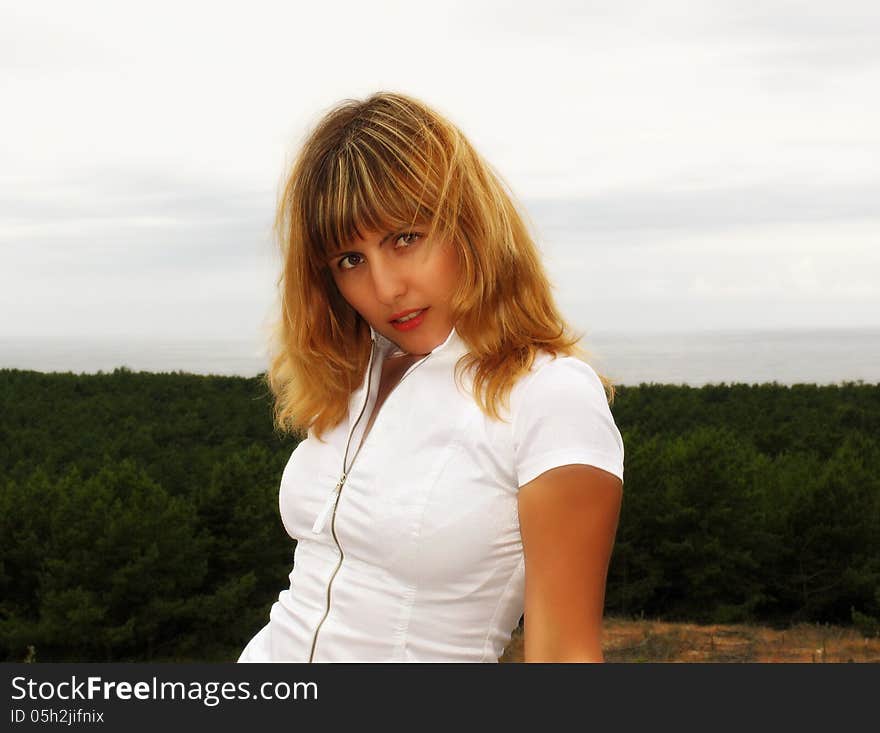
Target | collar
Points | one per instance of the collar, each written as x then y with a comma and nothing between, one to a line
385,346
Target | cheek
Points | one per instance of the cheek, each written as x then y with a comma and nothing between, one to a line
448,270
349,292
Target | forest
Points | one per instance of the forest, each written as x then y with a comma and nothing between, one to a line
139,512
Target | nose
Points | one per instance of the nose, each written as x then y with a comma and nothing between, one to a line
388,282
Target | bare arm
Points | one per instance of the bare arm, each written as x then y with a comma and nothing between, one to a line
568,520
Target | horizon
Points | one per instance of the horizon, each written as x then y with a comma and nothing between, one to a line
743,356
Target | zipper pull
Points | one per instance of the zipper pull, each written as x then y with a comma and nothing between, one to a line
321,520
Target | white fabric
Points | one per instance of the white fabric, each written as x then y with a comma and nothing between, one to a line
432,563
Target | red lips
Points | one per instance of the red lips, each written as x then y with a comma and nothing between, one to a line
404,313
413,322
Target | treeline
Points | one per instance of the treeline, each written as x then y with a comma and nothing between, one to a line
138,515
750,503
139,512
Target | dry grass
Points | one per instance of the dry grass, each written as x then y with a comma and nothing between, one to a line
657,641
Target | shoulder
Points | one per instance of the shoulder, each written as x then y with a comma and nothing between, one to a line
557,377
560,415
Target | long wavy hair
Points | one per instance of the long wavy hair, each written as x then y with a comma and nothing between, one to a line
385,163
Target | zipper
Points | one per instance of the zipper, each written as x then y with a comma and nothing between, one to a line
333,500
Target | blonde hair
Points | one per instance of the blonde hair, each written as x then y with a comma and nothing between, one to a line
385,163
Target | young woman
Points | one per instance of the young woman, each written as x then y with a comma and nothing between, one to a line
461,465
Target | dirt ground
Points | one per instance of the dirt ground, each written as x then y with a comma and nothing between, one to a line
656,641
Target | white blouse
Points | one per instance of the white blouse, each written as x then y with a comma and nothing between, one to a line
417,557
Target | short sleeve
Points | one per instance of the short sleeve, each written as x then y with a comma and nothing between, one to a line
561,416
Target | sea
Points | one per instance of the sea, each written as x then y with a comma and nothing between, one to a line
820,356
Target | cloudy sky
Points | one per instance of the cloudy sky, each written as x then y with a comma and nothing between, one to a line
705,165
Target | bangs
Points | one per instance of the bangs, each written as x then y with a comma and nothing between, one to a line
362,187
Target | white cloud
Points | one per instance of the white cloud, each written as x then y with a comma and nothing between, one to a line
684,163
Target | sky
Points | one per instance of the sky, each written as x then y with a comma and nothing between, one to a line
684,166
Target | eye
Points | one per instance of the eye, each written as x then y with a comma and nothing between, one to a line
408,239
349,261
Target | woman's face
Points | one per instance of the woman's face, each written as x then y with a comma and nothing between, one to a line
390,276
